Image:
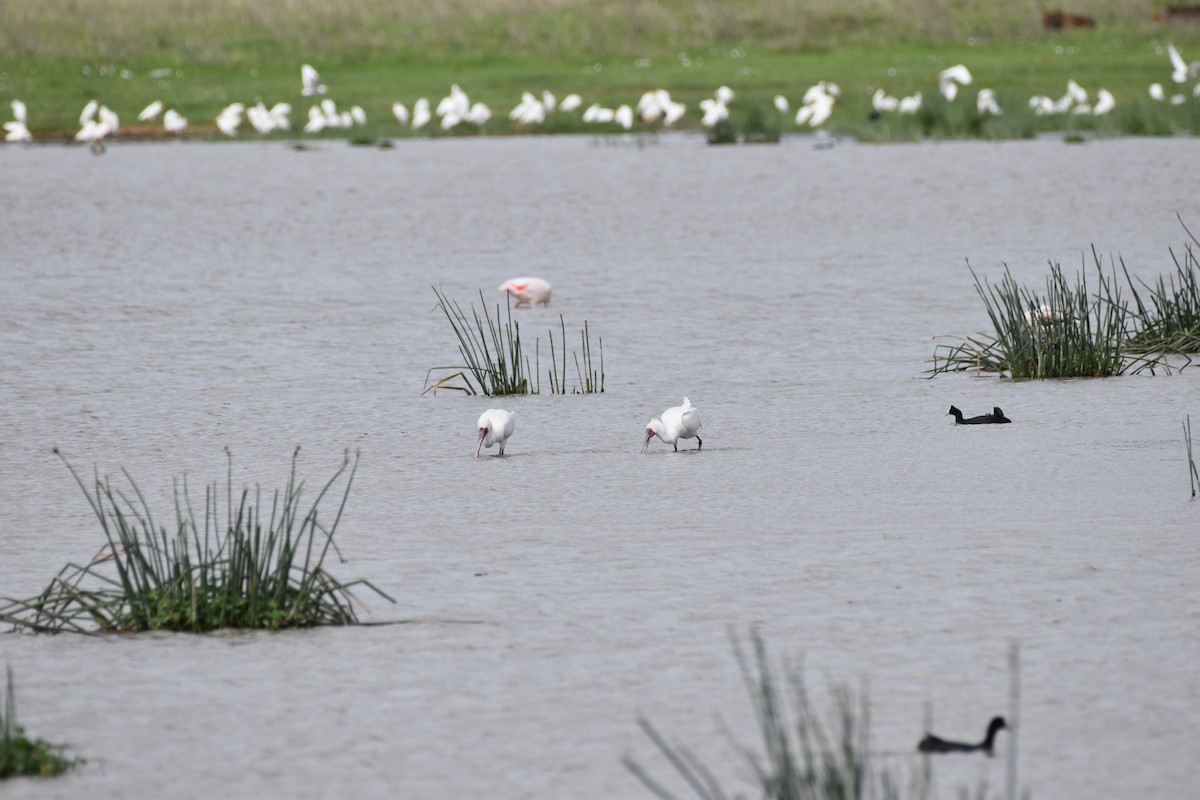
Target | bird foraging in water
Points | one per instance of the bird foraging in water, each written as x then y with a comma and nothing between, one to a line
528,291
934,744
997,416
495,426
677,422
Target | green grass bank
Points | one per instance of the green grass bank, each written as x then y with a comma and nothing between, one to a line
196,57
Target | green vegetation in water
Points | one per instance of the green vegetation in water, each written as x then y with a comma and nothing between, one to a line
496,364
803,758
1068,332
21,755
256,565
197,56
1167,319
1193,475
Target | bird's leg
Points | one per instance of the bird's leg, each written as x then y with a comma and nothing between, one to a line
675,445
701,445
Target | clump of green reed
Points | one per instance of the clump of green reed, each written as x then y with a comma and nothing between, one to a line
723,132
803,758
1067,332
1167,320
591,380
496,363
490,349
21,755
251,564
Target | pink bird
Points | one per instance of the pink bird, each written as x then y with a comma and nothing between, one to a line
677,422
528,291
495,426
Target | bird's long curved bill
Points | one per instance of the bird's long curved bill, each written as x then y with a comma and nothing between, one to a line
482,436
646,443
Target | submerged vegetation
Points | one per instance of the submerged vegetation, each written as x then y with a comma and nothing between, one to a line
803,757
251,564
495,363
21,755
1072,331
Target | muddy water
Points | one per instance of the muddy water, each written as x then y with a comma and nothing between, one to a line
163,302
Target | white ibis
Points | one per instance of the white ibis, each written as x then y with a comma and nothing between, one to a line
528,291
677,422
495,426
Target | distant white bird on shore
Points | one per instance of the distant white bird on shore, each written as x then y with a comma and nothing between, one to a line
781,104
677,422
910,104
478,113
495,426
599,114
1105,102
1157,93
881,101
985,103
15,131
528,291
19,111
1182,71
570,103
623,116
950,79
310,81
400,112
89,112
151,111
230,118
174,122
818,104
421,114
549,102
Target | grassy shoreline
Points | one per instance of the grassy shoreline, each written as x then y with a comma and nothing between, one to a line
199,57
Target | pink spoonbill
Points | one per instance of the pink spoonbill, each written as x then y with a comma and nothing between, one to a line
528,291
677,422
495,426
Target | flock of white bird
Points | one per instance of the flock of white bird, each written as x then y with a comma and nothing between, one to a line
97,121
496,425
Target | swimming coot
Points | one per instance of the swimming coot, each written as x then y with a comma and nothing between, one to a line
932,744
993,418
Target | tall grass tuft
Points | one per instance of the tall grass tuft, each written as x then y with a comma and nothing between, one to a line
1068,332
496,364
802,757
251,564
1168,319
20,755
491,350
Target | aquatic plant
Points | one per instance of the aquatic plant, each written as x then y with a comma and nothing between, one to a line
21,755
1068,332
496,364
803,758
251,564
490,349
1168,319
1193,475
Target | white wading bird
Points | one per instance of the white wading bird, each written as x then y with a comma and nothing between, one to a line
677,422
528,291
985,103
950,79
570,102
151,111
495,426
1181,70
174,122
310,81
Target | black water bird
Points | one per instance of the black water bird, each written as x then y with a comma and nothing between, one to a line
932,744
996,416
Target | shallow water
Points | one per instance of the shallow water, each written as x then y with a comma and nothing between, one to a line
163,302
